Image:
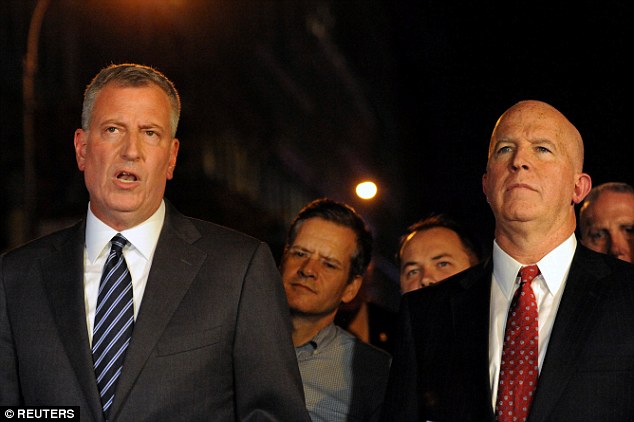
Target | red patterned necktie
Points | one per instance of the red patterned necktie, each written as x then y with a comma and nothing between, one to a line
519,367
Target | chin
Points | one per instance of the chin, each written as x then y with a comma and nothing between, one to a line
125,206
521,210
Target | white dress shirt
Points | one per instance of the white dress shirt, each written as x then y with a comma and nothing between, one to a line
548,288
138,255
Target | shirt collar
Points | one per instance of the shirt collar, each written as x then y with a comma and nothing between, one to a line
553,267
324,337
142,237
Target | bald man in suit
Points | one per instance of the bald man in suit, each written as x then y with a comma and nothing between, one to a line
210,336
451,350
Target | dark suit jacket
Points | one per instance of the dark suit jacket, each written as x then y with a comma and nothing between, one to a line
211,340
370,369
440,366
382,324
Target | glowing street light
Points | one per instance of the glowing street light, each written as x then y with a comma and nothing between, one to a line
366,190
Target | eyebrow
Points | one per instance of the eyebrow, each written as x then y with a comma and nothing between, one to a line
531,141
111,121
409,264
442,255
439,256
151,126
327,258
542,141
619,224
119,122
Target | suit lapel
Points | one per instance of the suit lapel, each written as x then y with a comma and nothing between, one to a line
575,316
471,321
175,265
62,275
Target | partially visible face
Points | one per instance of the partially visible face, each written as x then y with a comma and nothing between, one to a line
534,167
127,154
315,268
430,256
608,225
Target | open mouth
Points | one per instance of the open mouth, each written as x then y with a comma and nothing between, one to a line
124,176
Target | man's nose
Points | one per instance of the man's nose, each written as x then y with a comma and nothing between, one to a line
131,146
427,278
520,160
307,268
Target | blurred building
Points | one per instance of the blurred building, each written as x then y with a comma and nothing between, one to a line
285,101
273,113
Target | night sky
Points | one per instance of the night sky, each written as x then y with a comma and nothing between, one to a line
459,65
436,76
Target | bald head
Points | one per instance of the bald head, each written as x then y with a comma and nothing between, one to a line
533,179
533,114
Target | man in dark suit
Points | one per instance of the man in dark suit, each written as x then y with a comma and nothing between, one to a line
454,361
210,330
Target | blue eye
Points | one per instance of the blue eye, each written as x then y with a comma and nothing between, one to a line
412,273
597,236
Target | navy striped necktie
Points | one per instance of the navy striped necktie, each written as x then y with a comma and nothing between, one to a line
114,320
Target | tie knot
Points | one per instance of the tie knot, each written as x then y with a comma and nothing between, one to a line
528,273
118,242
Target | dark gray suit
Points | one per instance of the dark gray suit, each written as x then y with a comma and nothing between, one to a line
370,371
440,367
211,341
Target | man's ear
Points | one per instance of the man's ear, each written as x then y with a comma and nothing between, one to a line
352,289
81,141
484,186
172,160
582,188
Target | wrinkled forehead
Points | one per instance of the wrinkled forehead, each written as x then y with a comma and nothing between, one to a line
536,120
524,119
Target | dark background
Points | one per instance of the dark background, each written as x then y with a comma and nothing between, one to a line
286,101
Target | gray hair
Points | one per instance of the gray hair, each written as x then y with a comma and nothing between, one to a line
619,187
130,75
